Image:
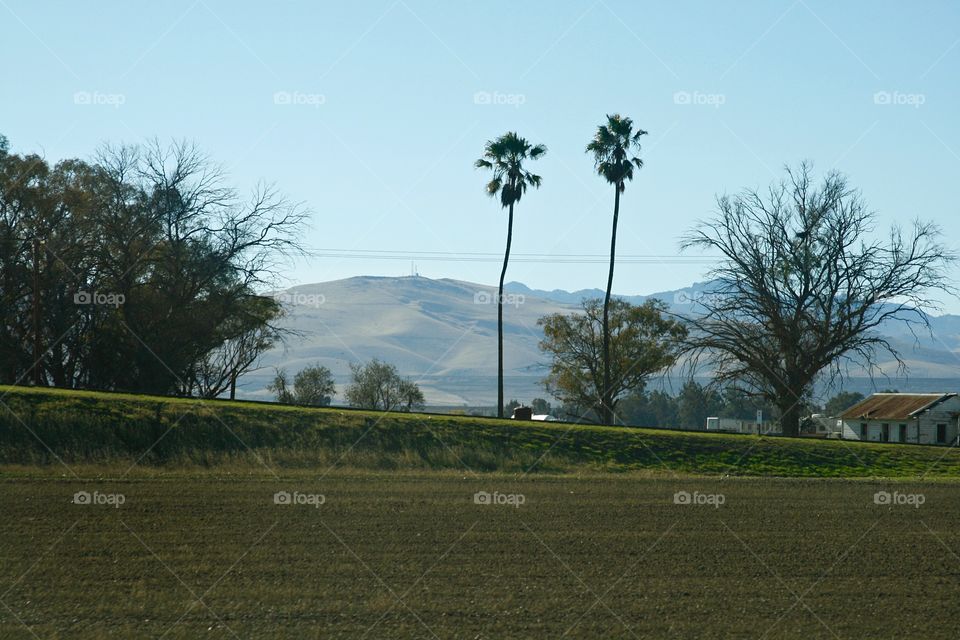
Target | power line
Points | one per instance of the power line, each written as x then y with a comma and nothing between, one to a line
544,258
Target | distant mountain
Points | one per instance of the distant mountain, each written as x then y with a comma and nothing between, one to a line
564,297
679,300
443,333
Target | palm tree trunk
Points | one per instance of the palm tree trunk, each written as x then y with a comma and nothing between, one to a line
606,401
503,273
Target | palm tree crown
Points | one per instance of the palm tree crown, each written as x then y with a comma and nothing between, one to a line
612,147
504,156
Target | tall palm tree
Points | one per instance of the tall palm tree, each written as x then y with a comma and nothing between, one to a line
612,147
504,157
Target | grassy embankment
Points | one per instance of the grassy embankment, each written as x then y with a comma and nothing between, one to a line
44,427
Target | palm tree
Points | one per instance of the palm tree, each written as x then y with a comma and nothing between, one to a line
505,156
612,147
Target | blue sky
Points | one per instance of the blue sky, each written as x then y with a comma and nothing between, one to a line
390,101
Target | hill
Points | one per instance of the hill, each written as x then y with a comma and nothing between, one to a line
68,428
443,334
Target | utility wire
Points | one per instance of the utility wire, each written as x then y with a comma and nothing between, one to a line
544,258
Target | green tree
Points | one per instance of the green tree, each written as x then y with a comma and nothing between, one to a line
742,406
841,402
613,147
505,157
379,387
642,342
411,397
314,386
654,409
696,403
137,271
245,336
540,406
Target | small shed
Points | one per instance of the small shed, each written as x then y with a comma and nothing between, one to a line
919,418
522,413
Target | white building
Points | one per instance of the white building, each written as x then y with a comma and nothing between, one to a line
735,425
921,418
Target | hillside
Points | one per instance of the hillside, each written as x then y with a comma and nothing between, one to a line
443,333
63,429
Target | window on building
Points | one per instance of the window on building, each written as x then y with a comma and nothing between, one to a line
903,433
941,433
863,430
885,433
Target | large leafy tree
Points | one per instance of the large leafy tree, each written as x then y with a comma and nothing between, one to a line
378,386
802,287
312,386
505,157
176,253
613,148
643,341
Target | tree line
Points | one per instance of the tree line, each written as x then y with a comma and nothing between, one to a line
142,270
138,270
375,385
689,406
801,289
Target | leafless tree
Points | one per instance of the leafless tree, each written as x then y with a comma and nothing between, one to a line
803,286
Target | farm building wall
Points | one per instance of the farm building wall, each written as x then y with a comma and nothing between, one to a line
944,413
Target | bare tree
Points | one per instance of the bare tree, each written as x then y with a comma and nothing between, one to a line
803,285
280,387
247,335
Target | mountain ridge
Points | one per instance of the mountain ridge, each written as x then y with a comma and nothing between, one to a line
442,333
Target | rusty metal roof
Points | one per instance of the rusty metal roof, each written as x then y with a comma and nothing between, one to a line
893,406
